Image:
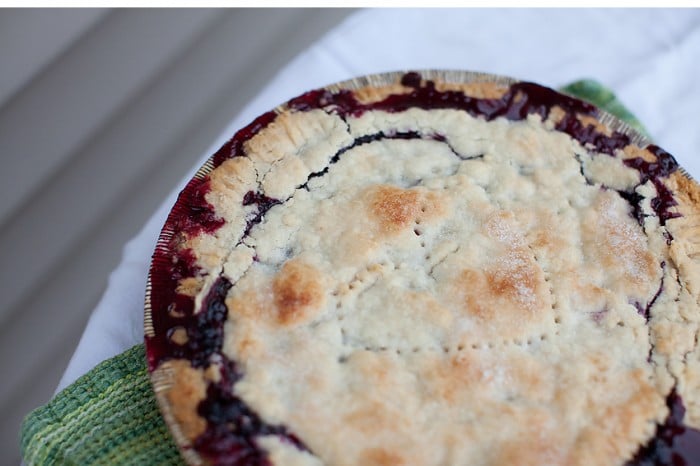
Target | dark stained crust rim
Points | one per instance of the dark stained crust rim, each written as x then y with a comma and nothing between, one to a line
161,366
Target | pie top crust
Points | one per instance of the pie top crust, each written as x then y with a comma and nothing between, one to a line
431,269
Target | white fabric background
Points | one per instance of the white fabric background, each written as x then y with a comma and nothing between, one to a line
648,57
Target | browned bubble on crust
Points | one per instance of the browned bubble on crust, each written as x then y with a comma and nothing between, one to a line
382,457
395,209
512,278
298,292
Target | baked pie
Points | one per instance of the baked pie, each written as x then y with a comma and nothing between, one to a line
435,268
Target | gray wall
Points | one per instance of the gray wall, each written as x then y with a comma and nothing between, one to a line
101,113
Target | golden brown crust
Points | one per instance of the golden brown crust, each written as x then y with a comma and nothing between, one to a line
188,389
370,94
557,114
380,457
481,90
633,151
298,292
682,331
395,209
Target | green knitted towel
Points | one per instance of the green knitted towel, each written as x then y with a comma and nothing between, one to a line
110,416
107,416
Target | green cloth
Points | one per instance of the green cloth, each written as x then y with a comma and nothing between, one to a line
107,416
110,416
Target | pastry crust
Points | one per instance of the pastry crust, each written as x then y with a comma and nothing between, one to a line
432,286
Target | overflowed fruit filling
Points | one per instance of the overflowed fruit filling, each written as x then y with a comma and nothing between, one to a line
674,444
663,167
232,426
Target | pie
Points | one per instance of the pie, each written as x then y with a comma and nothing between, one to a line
435,268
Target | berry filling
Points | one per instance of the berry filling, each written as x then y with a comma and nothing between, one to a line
263,203
232,426
201,216
674,444
204,330
663,167
634,199
169,306
588,135
234,146
645,311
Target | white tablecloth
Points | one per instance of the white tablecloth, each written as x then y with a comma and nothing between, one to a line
650,58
